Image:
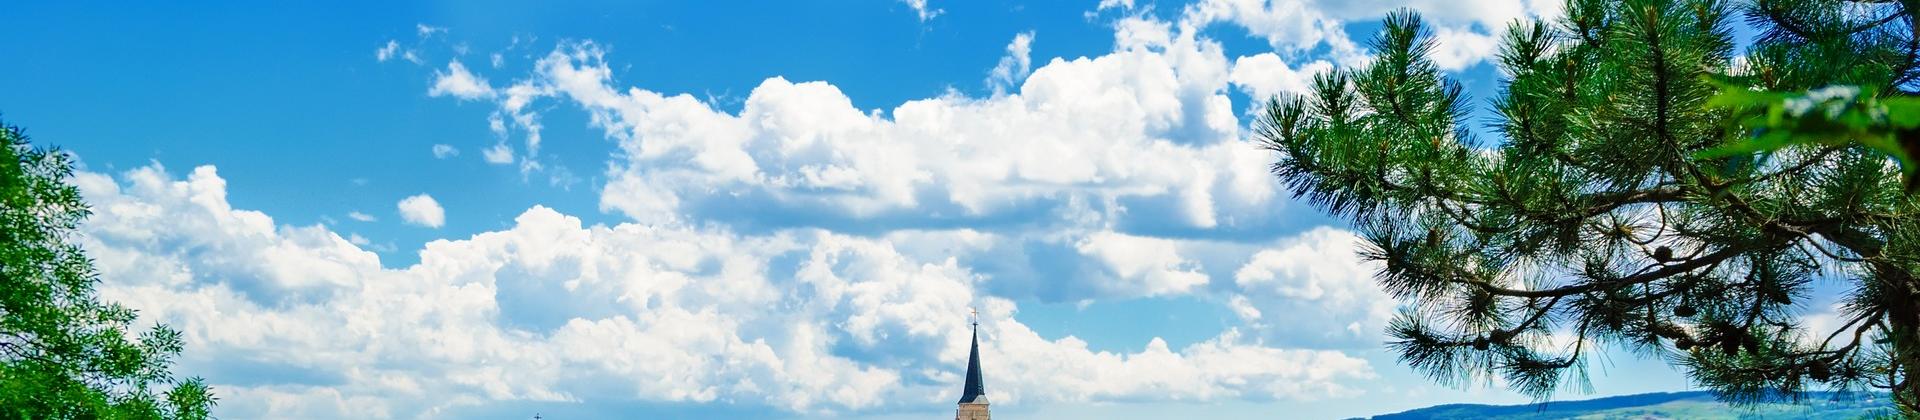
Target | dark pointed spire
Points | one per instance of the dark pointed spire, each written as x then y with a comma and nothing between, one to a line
976,390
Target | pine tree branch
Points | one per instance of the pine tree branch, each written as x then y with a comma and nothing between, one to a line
1662,86
1858,333
1539,313
1664,272
1804,31
1459,217
1602,127
1611,201
1825,152
1905,71
1860,243
1815,243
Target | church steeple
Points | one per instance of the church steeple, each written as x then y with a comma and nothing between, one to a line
976,389
973,398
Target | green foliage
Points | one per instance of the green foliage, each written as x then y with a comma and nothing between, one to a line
1832,116
1607,217
63,353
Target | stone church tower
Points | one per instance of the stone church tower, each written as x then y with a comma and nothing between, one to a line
973,398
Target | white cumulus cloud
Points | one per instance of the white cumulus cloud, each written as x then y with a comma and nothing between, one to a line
456,81
1265,75
1455,49
1465,31
1319,281
1287,25
1147,126
299,322
1144,266
422,210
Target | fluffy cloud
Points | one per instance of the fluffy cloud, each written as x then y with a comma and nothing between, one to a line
1313,281
357,215
1318,281
1464,31
456,81
235,245
1455,49
1487,14
498,154
1014,66
1265,75
1142,266
386,51
1146,133
1288,25
1225,367
422,210
443,151
1117,158
298,322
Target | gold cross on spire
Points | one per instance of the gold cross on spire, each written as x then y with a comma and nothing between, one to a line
976,315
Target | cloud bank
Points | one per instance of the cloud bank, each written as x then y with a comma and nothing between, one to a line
799,253
300,322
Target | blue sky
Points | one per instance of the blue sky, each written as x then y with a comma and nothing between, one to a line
731,210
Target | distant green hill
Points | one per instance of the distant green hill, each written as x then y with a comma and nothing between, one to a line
1661,405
